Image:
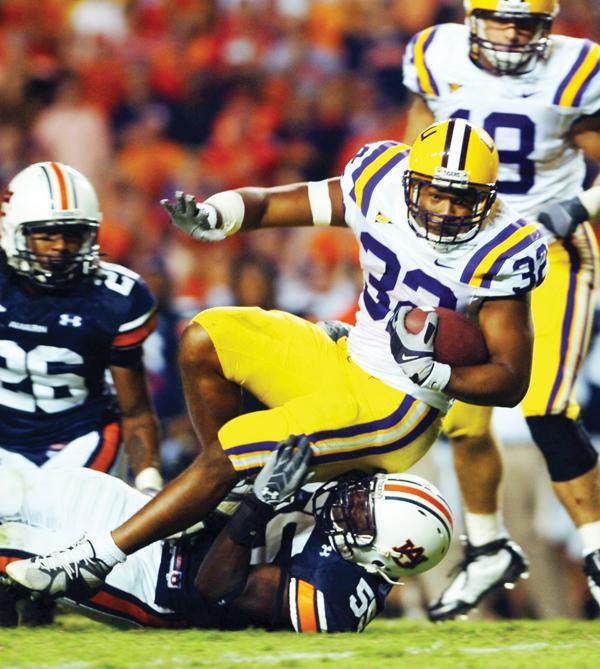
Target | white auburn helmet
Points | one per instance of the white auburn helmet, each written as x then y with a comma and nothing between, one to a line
393,525
46,197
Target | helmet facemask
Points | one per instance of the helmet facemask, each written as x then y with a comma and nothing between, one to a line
55,270
444,231
511,59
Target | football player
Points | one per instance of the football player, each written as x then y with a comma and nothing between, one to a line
318,558
539,97
431,232
65,320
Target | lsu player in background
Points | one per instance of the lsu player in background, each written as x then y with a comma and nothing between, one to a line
431,232
65,320
539,97
309,558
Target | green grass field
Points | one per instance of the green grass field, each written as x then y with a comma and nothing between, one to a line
77,643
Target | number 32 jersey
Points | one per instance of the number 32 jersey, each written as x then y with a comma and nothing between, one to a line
55,349
529,115
507,257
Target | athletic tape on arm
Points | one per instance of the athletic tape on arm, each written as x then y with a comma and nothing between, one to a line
320,202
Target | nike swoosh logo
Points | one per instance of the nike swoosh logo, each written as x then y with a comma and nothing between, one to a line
408,358
440,264
528,95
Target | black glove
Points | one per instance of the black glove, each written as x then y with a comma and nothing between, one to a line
562,218
276,484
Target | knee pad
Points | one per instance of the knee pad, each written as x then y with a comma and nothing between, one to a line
12,490
565,445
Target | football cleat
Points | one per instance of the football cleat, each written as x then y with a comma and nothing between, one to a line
591,568
484,568
74,572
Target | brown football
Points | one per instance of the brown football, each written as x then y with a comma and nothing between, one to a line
458,341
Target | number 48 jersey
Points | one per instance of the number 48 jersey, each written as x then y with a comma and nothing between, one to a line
529,116
507,257
55,349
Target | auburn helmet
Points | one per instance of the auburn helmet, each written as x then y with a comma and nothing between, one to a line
50,198
533,15
457,159
393,525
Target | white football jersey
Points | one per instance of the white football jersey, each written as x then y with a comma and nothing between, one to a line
528,115
507,257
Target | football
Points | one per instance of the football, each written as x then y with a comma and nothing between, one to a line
458,341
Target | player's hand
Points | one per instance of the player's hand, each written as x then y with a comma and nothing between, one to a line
562,218
335,329
284,472
414,352
197,220
149,481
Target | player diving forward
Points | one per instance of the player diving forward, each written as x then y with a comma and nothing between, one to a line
313,559
542,106
430,233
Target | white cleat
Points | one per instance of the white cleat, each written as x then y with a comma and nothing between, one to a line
591,568
74,572
483,569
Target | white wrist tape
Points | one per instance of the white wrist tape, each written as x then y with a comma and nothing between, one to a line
439,377
149,478
590,199
230,205
320,202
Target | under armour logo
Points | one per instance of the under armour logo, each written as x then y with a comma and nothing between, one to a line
409,556
69,319
326,550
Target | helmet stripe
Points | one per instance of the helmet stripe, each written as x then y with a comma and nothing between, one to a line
448,142
424,495
465,146
457,142
62,185
50,191
442,519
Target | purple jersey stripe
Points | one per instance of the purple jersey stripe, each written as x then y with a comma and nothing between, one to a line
426,44
366,162
377,177
585,84
567,321
509,253
475,261
587,45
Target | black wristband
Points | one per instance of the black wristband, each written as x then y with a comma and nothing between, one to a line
250,518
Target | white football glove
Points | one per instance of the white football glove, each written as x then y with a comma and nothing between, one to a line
198,220
414,352
335,329
562,218
149,481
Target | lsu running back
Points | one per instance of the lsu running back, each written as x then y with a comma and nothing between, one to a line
412,258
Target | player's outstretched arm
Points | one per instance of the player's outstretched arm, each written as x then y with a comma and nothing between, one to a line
139,425
225,575
225,213
504,379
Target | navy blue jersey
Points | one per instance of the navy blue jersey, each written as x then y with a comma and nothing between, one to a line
55,349
326,592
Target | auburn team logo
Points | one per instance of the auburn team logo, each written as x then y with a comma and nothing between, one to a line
409,556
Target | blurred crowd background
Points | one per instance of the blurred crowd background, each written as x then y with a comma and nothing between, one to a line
149,96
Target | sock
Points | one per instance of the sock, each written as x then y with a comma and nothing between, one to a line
590,537
106,549
484,527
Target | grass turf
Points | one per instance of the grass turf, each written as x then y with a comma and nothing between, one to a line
77,643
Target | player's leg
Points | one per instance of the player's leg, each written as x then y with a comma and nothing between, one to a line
274,355
563,309
491,557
